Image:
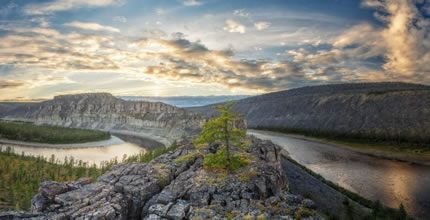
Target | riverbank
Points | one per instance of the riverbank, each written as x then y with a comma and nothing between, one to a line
391,152
21,174
390,181
48,134
113,140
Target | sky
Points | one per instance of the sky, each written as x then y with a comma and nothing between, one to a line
207,47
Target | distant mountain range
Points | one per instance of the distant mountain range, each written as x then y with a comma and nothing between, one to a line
185,101
387,111
380,111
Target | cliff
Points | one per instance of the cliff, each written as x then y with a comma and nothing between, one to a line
176,186
394,111
103,111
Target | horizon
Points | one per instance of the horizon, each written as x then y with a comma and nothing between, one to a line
173,48
161,98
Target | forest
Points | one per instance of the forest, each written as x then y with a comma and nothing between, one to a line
21,175
25,131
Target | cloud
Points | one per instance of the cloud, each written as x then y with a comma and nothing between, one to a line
7,84
192,2
120,19
234,27
397,49
406,37
261,25
160,11
65,5
91,26
241,13
49,49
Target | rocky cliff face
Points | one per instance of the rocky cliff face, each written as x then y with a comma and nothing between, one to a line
103,111
389,110
175,186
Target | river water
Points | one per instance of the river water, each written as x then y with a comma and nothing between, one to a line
391,182
92,154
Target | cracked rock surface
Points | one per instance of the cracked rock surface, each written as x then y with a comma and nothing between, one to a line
176,186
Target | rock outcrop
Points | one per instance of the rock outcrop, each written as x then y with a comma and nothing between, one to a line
175,186
103,111
397,111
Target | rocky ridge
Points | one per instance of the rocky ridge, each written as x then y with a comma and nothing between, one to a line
175,186
385,110
158,121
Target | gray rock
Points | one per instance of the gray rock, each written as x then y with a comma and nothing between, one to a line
159,209
163,189
164,123
179,210
309,204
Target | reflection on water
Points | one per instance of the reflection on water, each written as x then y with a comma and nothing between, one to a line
90,154
391,182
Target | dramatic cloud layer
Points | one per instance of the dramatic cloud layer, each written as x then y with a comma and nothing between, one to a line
246,50
63,5
91,26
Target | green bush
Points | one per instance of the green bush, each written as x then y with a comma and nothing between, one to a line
218,161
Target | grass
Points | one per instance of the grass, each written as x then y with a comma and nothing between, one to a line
21,175
23,131
371,142
187,157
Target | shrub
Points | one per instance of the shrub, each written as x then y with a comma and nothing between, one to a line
218,161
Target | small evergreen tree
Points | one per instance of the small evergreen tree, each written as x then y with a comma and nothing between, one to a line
223,129
402,212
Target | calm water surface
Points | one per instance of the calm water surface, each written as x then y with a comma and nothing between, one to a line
391,182
87,154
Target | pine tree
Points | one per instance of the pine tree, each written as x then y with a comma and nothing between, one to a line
223,129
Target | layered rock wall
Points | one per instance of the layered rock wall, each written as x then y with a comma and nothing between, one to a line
103,111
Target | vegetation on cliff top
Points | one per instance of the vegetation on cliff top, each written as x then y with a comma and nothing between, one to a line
223,129
21,175
22,131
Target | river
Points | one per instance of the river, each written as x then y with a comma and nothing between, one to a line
391,182
92,153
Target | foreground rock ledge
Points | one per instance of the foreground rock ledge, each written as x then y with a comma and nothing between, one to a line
175,186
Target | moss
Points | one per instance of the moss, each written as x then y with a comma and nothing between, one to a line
162,174
230,215
217,178
187,157
248,216
261,217
303,212
247,175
